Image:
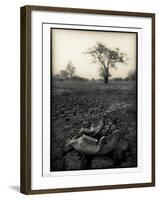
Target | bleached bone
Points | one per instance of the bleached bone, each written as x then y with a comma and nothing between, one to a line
94,130
92,146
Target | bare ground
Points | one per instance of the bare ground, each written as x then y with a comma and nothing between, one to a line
78,104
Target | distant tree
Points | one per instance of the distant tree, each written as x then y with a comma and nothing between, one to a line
70,69
63,74
131,75
78,78
118,79
106,58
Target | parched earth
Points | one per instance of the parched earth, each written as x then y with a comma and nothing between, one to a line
79,104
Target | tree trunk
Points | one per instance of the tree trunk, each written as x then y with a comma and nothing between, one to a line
106,76
105,79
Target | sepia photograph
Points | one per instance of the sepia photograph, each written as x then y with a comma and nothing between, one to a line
87,99
93,100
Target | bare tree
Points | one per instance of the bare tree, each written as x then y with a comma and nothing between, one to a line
63,74
106,58
70,69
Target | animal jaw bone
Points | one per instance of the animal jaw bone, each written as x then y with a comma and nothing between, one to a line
92,146
107,144
94,130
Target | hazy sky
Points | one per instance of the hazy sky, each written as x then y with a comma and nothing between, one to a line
68,45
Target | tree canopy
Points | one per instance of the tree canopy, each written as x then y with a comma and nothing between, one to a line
70,69
106,58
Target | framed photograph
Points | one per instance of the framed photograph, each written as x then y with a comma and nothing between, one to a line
87,99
